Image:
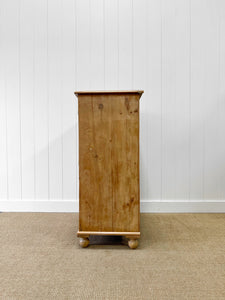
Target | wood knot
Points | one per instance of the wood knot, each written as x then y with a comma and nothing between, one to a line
100,106
127,103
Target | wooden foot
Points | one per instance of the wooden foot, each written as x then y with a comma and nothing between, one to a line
133,243
84,242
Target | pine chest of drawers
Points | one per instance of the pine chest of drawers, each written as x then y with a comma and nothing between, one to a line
109,194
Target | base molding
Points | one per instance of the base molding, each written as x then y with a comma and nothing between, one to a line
146,206
123,233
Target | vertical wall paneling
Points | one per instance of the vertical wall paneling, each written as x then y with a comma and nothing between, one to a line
139,43
27,99
211,101
97,48
68,100
111,44
83,44
3,112
173,49
197,104
40,37
181,108
168,99
125,45
55,96
13,97
221,59
152,106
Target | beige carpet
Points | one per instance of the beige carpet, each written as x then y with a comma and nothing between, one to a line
180,256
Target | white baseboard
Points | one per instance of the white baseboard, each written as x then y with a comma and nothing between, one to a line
39,205
183,206
147,206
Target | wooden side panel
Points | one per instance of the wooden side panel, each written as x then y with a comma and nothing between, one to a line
133,163
125,162
109,162
95,163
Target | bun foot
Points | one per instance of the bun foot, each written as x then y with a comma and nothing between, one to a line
133,243
84,242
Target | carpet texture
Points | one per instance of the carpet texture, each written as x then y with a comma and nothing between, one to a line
180,256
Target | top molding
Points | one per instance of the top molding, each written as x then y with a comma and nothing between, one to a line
140,92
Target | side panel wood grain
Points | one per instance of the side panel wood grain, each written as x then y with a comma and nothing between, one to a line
125,163
95,163
109,162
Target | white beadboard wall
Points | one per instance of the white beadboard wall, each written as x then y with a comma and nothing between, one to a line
173,49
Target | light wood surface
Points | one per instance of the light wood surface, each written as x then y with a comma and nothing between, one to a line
84,242
109,200
122,233
108,92
133,243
